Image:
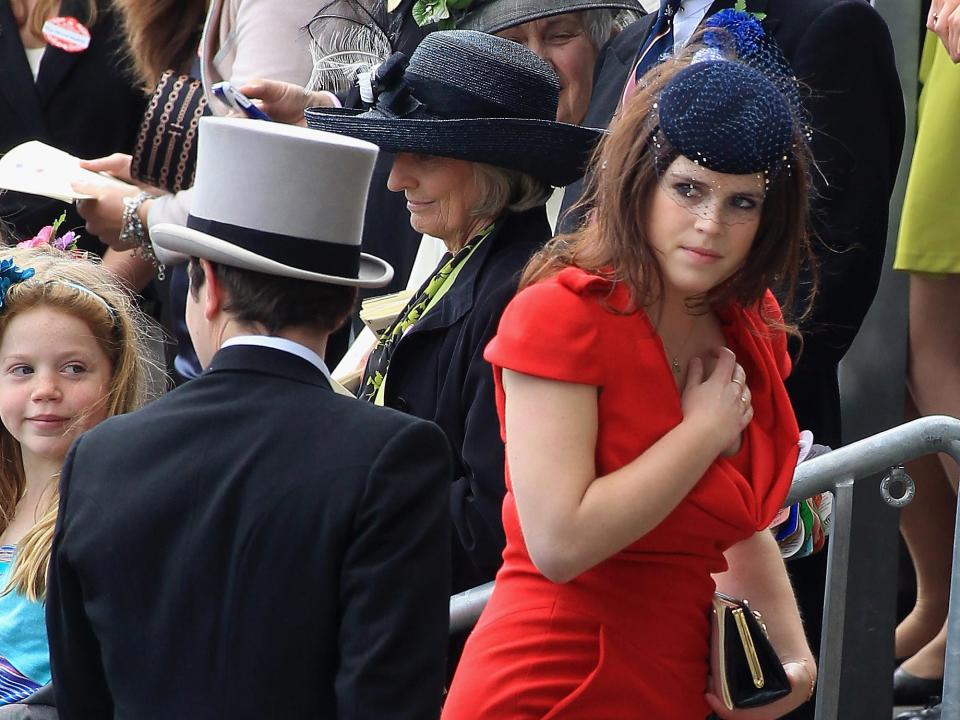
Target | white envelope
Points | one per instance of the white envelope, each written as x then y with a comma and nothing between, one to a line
40,169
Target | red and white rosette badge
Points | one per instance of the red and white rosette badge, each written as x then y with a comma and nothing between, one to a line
66,33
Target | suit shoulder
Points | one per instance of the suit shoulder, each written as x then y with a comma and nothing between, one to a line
857,16
377,423
118,434
408,447
825,15
417,445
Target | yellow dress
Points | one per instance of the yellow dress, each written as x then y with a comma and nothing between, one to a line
929,238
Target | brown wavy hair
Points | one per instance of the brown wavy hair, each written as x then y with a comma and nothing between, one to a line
44,9
613,240
161,35
121,334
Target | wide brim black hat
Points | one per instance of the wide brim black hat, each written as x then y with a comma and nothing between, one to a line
553,152
469,96
496,15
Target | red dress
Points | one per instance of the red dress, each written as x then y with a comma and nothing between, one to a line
628,638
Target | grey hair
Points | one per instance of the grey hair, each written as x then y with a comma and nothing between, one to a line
504,189
602,24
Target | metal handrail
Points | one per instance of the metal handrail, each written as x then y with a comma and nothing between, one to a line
836,472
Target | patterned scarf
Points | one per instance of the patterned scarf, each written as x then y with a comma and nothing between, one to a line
373,388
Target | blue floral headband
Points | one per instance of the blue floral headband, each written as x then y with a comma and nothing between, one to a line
10,275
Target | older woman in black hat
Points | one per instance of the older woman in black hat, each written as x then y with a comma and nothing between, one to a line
568,34
471,121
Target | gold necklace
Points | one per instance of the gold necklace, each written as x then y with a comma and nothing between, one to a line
674,358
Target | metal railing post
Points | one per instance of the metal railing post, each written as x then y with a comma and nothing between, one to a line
951,668
834,606
466,607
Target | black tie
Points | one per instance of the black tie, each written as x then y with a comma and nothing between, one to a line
659,41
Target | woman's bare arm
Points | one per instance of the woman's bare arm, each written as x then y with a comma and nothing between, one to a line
756,572
572,519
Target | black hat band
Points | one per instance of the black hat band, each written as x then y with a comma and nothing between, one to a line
318,256
436,100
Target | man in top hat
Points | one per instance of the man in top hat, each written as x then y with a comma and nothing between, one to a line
841,51
253,544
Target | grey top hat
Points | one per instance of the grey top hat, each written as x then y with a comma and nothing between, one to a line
492,16
280,200
471,96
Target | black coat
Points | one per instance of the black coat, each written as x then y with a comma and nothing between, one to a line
841,50
87,104
437,372
252,545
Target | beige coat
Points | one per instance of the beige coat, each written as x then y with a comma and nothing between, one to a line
243,39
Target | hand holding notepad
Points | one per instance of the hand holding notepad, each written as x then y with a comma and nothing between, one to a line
378,313
40,169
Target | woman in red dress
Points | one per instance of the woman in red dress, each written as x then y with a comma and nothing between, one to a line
649,437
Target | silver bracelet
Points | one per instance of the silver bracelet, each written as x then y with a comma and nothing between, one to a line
133,233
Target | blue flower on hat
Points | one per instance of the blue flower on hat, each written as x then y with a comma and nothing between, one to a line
745,30
10,274
740,32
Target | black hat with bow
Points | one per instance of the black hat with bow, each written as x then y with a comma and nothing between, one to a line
470,96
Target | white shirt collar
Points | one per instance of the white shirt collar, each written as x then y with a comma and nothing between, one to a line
279,343
687,20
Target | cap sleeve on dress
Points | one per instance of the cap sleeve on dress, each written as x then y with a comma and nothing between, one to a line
549,330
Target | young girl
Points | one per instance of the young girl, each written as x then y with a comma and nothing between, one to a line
650,440
71,355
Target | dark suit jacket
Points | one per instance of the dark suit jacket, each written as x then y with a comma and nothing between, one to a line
438,372
252,545
842,52
86,104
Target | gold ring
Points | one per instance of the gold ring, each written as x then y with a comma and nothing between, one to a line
737,382
743,399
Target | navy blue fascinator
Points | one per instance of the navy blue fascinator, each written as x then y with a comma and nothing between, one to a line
737,34
727,117
736,108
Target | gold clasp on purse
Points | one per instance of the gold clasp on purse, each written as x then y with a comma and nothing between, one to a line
748,647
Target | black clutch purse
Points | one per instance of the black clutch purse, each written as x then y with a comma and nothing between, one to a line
746,670
166,151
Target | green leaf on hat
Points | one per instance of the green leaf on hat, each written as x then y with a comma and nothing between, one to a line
741,5
437,12
429,12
